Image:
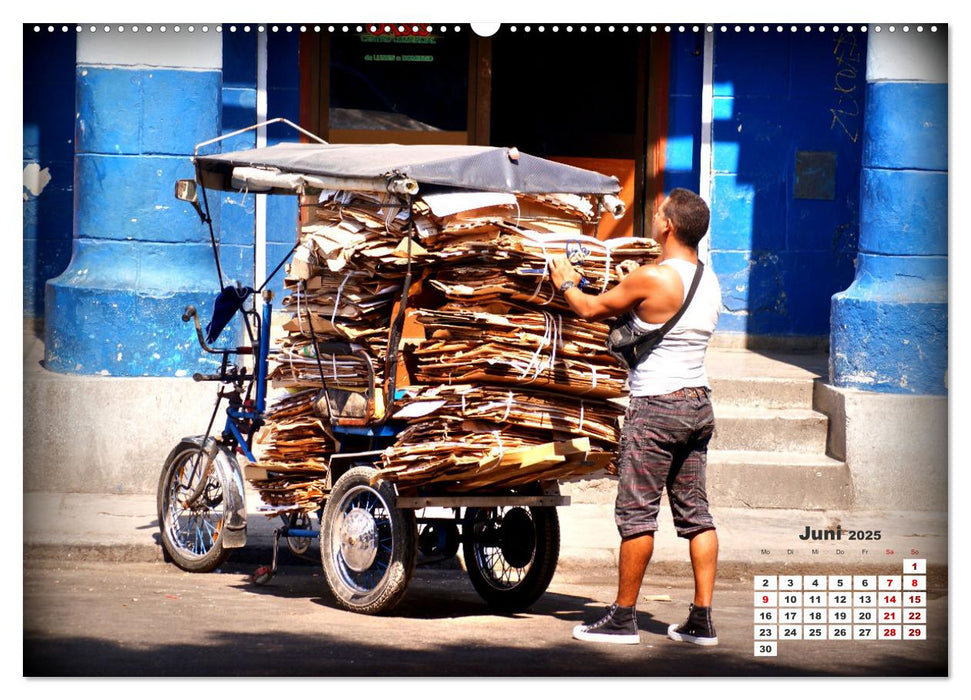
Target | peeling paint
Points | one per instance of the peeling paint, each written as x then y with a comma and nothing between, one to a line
868,378
181,373
105,373
36,179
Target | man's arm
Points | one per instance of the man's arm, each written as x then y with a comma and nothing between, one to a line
634,288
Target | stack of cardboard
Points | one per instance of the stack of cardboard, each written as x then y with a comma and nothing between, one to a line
343,281
294,447
504,385
511,387
473,436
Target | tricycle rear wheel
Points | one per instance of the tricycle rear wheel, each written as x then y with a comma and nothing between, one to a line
367,548
511,553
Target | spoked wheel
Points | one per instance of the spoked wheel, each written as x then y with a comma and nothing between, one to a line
191,531
511,553
367,548
299,545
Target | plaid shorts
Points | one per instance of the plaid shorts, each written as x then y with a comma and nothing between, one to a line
664,443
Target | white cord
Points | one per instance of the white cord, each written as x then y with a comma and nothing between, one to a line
337,301
555,340
548,331
606,269
303,284
497,434
546,268
508,407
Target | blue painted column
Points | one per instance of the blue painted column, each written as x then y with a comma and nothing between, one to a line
139,255
889,329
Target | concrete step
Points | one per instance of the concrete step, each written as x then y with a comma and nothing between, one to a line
764,379
799,430
763,392
795,480
750,479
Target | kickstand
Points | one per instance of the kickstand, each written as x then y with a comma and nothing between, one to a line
263,574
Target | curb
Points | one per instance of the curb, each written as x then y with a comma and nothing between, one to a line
572,565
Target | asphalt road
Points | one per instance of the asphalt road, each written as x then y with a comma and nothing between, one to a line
90,619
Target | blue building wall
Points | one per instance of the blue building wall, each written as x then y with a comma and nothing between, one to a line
682,154
890,327
50,99
785,185
237,210
48,145
787,137
139,256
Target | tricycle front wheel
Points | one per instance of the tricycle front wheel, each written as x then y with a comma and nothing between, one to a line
367,548
511,553
191,532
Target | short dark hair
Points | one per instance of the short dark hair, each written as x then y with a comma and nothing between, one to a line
689,215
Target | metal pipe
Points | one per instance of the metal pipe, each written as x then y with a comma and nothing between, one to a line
256,126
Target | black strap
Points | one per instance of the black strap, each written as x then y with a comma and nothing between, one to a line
687,300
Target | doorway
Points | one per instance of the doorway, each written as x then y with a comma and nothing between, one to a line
596,100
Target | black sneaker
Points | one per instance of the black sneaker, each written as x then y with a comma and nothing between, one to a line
618,626
697,629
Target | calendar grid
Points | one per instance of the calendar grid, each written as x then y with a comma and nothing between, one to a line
886,607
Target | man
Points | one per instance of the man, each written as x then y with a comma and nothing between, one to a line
664,442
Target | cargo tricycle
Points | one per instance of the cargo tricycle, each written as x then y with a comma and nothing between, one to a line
369,533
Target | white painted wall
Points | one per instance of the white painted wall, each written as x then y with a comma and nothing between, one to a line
169,49
906,56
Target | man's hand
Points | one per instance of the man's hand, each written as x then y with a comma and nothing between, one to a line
562,270
625,268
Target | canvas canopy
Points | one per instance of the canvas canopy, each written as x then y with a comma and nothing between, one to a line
302,167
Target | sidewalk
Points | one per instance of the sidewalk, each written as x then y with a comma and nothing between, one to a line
73,527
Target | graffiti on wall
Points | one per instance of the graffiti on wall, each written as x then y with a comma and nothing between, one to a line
847,111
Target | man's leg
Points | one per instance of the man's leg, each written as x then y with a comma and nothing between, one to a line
689,503
619,624
703,549
635,554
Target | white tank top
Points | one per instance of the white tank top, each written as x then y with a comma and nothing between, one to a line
678,361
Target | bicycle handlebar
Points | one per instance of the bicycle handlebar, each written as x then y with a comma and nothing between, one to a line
191,313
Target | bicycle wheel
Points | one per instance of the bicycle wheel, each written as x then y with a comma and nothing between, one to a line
191,533
511,553
367,548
